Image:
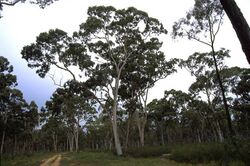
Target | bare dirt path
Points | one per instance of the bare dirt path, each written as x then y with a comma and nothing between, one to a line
53,161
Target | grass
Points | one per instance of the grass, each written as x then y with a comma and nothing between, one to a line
27,160
108,159
207,154
92,159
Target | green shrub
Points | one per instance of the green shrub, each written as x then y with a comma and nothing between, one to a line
237,151
197,153
147,151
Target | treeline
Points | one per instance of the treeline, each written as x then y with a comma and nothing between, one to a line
18,118
76,124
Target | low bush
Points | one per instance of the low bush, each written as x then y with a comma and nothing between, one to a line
146,151
237,151
197,153
223,153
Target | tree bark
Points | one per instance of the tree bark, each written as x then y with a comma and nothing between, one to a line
114,117
162,134
71,142
2,142
76,134
141,123
240,25
54,136
127,133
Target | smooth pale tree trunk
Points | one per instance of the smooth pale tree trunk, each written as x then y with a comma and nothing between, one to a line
127,133
71,141
67,144
114,117
141,134
198,136
76,135
219,131
54,137
240,25
162,135
141,123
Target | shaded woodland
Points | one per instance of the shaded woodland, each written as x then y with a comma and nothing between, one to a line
114,59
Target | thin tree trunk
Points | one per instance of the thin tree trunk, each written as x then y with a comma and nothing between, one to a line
54,136
2,142
220,134
141,135
76,133
240,25
141,123
229,121
162,134
71,142
127,133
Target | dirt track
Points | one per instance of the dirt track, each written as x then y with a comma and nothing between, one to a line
53,161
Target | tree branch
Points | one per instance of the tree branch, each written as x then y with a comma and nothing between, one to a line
52,76
10,4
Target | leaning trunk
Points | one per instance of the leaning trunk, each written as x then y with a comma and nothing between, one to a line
229,121
240,25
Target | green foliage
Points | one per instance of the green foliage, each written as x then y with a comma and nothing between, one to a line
197,153
239,150
222,153
205,14
148,151
7,79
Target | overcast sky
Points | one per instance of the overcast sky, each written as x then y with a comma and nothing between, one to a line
22,23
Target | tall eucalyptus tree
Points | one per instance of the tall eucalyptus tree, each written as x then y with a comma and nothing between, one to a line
101,50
